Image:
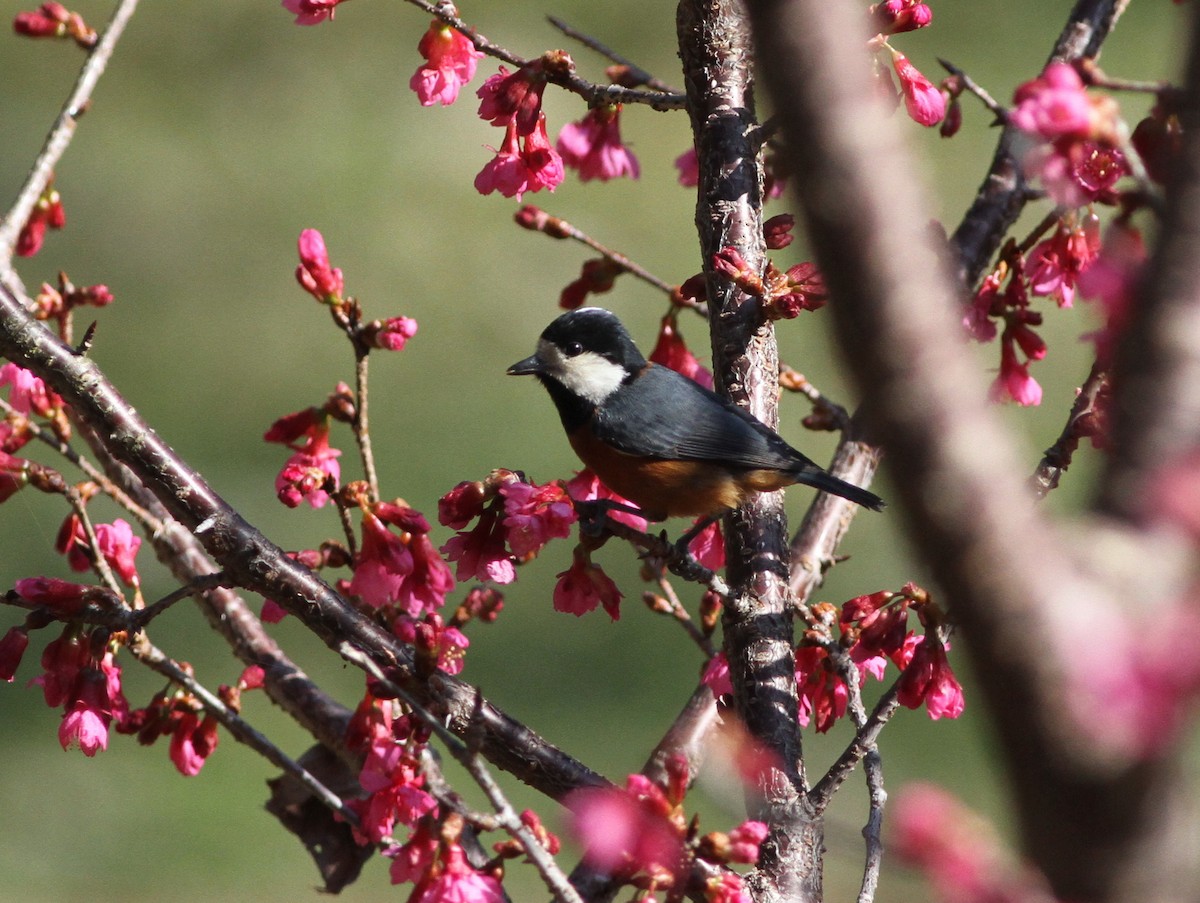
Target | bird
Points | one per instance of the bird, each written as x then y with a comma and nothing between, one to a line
661,440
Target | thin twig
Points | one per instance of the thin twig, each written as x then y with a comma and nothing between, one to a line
60,134
636,72
677,610
555,227
872,831
794,381
98,561
361,425
997,108
1058,456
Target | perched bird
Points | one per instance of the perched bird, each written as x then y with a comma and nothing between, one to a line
654,436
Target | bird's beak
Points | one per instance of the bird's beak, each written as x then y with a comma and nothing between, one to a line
531,366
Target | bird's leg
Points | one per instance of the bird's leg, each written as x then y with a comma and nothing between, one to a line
682,543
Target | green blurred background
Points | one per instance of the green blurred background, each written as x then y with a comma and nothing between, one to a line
220,131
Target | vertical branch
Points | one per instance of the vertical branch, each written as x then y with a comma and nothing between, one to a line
715,47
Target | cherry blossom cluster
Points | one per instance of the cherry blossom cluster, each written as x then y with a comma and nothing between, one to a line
396,799
784,294
1077,151
641,835
526,161
872,630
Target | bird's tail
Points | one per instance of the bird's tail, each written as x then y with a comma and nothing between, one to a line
811,475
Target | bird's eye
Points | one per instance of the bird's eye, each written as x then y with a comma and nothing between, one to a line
571,349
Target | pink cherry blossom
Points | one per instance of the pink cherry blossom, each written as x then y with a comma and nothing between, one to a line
533,515
312,12
923,100
514,98
451,61
593,146
583,586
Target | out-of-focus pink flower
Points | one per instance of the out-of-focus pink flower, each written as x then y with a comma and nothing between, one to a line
1112,281
1075,172
312,12
626,830
956,849
583,586
451,61
314,274
726,887
923,100
85,723
593,146
92,700
48,21
1053,105
672,351
412,860
688,165
745,841
533,515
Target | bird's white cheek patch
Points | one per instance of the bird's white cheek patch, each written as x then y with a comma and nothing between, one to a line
588,375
